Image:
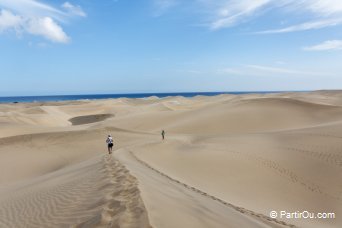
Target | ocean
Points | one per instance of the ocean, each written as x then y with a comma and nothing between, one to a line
20,99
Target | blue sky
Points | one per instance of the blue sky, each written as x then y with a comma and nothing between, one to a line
122,46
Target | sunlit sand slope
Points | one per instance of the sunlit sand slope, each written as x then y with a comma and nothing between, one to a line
227,161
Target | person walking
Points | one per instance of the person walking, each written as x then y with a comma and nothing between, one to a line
110,144
163,134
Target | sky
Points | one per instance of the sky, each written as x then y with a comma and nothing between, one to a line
124,46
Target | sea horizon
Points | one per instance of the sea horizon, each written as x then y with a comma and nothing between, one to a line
70,97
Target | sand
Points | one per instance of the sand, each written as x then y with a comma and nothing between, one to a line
79,120
227,161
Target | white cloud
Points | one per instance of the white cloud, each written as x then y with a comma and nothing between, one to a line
221,14
306,26
47,28
233,12
28,8
37,18
9,20
73,9
325,7
326,46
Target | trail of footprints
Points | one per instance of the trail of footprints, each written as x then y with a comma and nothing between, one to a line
123,203
324,152
329,157
237,208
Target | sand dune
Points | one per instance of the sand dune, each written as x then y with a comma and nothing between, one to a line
99,192
227,161
255,115
182,202
248,115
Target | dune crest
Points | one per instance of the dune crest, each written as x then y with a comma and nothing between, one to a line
96,193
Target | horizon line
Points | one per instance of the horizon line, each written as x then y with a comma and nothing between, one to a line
151,93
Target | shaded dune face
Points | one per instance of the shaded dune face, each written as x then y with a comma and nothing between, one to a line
79,120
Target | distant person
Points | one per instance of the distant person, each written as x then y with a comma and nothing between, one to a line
110,144
163,134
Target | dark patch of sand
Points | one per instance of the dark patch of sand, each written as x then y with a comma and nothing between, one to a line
79,120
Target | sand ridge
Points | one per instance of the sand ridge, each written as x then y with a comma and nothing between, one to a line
264,218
